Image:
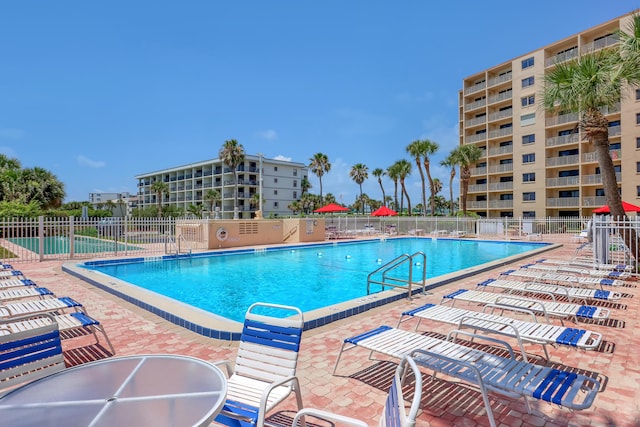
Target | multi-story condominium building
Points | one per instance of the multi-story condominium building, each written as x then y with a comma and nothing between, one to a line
121,203
189,184
536,163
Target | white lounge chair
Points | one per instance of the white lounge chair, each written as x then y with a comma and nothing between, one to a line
11,274
517,286
610,274
557,278
394,413
38,306
585,263
523,331
490,373
22,292
13,283
550,308
265,369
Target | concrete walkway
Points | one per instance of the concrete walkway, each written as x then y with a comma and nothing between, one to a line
360,388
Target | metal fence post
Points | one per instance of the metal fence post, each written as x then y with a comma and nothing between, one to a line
72,239
41,237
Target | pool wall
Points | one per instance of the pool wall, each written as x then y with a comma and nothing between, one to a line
213,326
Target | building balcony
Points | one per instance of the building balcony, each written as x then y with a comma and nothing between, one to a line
600,44
615,130
475,121
477,204
496,133
561,57
501,115
501,97
497,151
475,105
567,181
563,140
508,167
500,79
500,204
477,188
610,110
478,171
475,88
562,160
591,157
501,186
561,119
469,139
563,202
594,201
596,179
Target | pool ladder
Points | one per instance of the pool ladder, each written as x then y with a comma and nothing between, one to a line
177,245
396,282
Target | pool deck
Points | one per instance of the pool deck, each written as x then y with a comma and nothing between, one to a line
360,388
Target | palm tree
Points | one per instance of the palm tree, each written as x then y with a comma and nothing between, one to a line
329,198
379,173
417,149
450,161
430,148
305,185
586,84
392,172
404,170
194,210
319,166
232,155
467,155
159,187
212,197
359,172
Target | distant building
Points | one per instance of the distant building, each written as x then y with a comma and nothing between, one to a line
189,184
535,163
123,203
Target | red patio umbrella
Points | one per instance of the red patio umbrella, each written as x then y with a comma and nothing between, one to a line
384,211
628,207
331,207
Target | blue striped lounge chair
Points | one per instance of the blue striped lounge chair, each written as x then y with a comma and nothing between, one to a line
571,293
524,331
488,372
548,308
394,413
265,368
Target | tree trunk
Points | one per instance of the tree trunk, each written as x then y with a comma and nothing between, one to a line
465,174
451,178
431,188
404,191
424,193
384,197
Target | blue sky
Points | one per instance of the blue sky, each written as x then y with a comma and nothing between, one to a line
98,92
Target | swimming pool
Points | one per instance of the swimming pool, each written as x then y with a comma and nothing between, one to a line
310,277
55,245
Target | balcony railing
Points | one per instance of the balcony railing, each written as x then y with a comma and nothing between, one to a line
500,132
475,88
508,149
601,43
563,160
501,114
561,119
477,204
615,130
561,57
597,179
475,137
563,202
610,110
500,204
477,188
501,168
475,121
501,97
499,186
478,171
594,202
563,140
565,181
474,105
506,77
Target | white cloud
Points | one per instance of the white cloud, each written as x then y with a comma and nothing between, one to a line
283,158
85,161
269,134
10,133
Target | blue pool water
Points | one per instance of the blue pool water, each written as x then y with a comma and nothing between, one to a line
307,277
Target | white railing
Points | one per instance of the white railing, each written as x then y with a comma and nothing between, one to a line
562,140
476,104
475,121
501,96
561,119
506,77
563,160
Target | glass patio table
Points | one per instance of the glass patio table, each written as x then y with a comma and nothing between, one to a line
147,390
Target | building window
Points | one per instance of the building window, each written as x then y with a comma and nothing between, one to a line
295,183
528,100
638,118
638,167
638,142
275,205
529,196
529,158
295,172
275,180
599,192
275,192
295,195
506,197
529,177
637,94
637,190
528,139
529,214
528,119
526,63
529,81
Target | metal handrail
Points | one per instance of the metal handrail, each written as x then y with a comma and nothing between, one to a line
393,264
